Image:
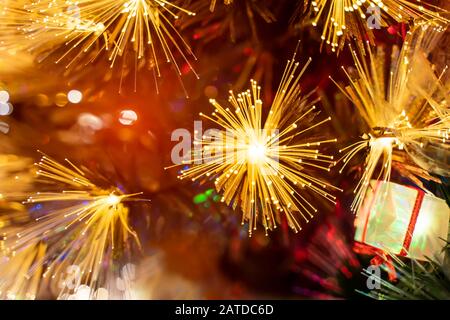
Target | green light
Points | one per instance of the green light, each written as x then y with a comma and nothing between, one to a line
200,198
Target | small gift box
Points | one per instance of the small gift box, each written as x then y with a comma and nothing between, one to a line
403,221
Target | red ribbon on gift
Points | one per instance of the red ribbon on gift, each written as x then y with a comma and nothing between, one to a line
412,223
381,257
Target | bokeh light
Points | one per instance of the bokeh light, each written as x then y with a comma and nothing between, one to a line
4,96
88,120
74,96
61,99
128,117
6,109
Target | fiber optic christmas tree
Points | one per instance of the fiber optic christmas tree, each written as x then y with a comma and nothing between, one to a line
206,149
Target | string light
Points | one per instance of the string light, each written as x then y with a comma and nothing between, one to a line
338,18
265,166
84,29
90,225
403,111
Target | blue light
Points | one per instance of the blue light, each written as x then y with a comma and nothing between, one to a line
36,207
121,188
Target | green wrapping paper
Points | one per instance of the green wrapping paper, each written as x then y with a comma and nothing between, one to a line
403,221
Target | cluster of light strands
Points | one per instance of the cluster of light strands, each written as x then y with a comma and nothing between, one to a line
21,273
265,166
11,17
356,17
88,227
28,25
86,28
15,178
406,111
